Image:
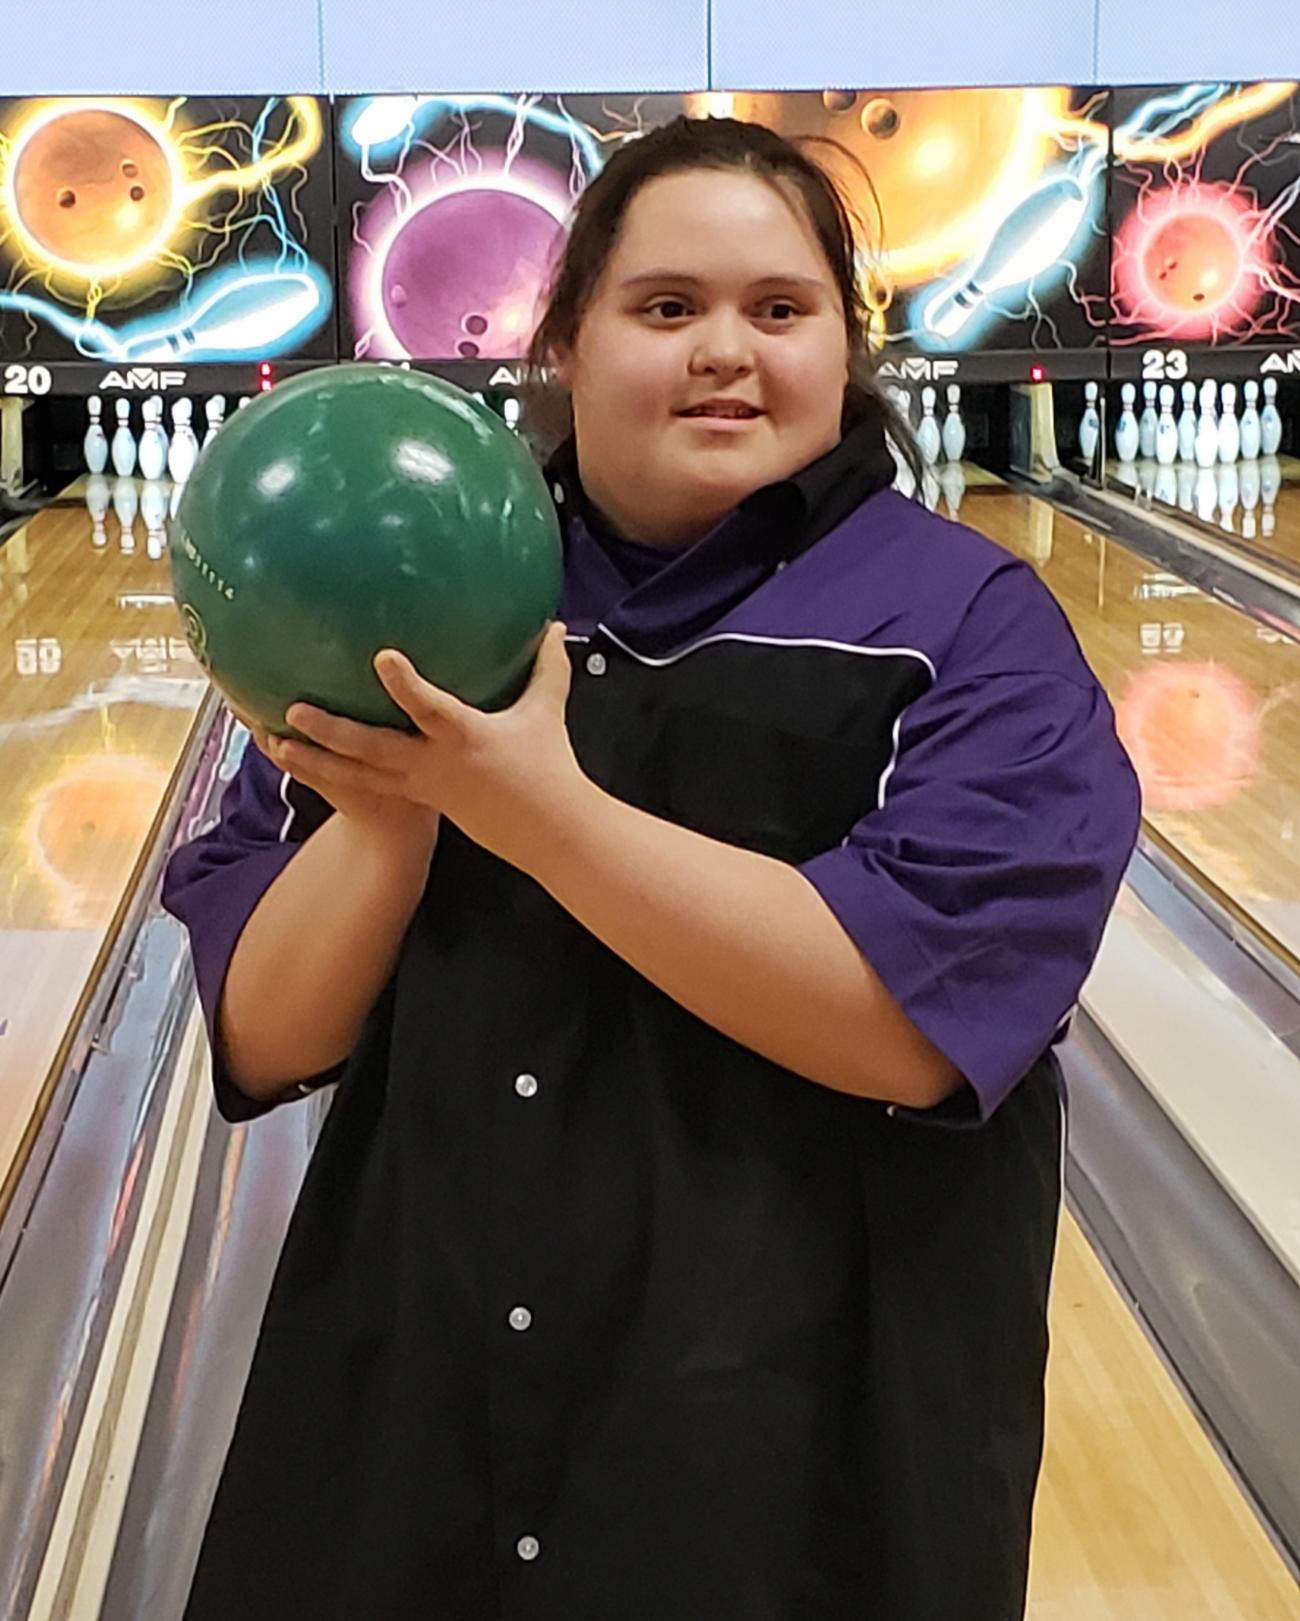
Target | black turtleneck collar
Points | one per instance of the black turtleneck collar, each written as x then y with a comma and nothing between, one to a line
803,508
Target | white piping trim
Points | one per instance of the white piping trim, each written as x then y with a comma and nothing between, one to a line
776,641
291,812
888,772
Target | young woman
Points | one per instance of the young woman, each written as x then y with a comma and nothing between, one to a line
677,1245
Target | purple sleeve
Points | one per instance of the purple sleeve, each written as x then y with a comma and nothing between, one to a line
979,887
213,884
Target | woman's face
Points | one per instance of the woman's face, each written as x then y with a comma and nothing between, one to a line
716,291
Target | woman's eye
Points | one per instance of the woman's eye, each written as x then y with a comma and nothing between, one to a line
671,309
781,309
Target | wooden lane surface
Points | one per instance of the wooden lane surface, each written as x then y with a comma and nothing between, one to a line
1207,701
1137,1519
97,698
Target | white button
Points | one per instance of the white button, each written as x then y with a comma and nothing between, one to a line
528,1547
596,664
780,566
557,490
521,1318
526,1085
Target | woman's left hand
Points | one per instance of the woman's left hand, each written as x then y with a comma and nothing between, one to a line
508,780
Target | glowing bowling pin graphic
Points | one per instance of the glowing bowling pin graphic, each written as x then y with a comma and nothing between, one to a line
1034,235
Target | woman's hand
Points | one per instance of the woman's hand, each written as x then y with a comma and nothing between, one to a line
507,780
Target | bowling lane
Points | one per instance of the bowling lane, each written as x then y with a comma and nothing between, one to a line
99,699
1208,704
1136,1518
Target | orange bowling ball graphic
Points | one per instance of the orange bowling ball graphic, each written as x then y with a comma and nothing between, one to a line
939,160
92,187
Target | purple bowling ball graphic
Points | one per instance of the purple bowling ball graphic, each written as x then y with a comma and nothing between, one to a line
463,275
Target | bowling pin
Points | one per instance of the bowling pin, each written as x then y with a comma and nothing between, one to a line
1270,422
246,400
1148,423
153,441
1146,472
1166,483
95,444
954,429
1186,485
123,442
215,411
930,487
1250,428
1229,427
126,503
904,482
1187,425
153,509
1127,437
184,450
1089,424
1270,482
928,437
1229,489
1250,485
98,493
512,411
1166,429
1207,429
1207,492
952,479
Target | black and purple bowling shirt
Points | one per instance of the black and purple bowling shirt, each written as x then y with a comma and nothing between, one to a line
588,1313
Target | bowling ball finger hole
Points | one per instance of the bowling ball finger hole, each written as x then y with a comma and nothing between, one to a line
467,350
137,194
130,168
67,199
476,325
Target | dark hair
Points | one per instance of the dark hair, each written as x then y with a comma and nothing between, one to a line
719,143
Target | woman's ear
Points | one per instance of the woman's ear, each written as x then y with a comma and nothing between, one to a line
561,363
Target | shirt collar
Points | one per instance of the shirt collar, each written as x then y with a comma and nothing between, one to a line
791,514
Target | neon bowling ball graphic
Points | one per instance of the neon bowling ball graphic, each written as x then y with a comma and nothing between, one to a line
1192,263
464,275
93,187
934,157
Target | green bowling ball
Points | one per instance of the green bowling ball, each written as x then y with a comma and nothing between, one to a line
355,508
